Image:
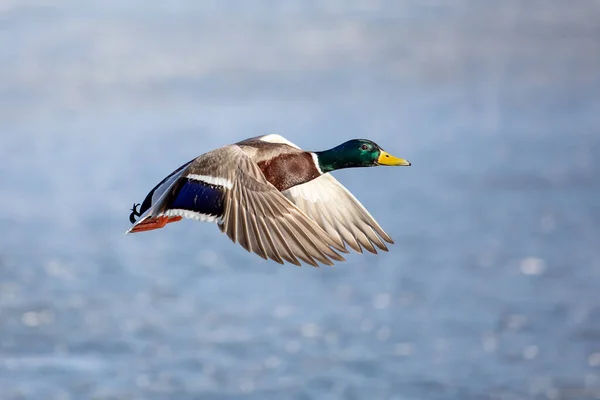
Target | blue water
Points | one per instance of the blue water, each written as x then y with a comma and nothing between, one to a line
490,292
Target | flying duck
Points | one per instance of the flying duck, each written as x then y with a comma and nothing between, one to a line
273,198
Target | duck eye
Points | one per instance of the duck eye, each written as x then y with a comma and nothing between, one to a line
364,147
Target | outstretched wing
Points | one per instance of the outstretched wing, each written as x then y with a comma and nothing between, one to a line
339,213
263,221
335,209
227,187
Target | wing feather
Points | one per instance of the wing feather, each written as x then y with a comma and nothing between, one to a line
252,204
339,213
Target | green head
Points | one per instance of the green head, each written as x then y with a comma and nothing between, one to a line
356,153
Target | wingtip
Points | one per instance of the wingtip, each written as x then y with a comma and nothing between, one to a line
371,249
336,257
343,249
337,244
293,261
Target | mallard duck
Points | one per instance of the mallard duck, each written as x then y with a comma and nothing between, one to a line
272,197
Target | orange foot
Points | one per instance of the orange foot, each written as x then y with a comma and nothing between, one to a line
154,223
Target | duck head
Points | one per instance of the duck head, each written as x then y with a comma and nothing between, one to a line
357,153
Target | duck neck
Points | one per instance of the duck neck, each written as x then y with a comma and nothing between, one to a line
330,160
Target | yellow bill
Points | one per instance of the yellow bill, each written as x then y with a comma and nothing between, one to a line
386,158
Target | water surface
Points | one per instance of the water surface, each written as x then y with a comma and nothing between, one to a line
490,292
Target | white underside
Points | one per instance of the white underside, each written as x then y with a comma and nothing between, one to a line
317,190
192,215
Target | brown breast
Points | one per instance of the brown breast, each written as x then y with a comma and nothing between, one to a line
288,170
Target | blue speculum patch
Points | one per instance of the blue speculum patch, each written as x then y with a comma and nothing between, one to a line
200,197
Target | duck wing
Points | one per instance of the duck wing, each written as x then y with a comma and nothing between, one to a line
226,186
339,213
262,219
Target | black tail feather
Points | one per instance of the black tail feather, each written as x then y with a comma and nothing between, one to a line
134,213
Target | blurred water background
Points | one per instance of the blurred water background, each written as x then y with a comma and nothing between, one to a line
490,292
